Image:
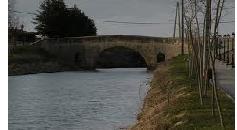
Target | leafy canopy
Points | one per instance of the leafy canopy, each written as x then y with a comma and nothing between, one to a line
54,19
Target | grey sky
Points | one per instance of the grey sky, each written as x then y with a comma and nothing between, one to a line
123,10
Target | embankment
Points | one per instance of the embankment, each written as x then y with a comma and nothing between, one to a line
173,102
31,59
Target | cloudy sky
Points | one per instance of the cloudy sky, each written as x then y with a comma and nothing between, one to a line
159,11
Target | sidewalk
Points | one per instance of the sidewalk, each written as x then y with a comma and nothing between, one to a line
225,78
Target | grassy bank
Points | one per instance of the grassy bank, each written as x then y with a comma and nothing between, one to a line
29,54
32,59
173,102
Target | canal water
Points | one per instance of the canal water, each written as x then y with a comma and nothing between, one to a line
109,99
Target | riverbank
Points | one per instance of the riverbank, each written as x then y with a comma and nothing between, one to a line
31,59
173,102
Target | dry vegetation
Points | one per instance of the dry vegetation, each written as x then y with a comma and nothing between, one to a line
173,102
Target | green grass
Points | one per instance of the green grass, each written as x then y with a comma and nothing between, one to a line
197,116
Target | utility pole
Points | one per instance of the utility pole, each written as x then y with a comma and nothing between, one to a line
175,20
177,14
182,35
179,21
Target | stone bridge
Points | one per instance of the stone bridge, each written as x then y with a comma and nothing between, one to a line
84,51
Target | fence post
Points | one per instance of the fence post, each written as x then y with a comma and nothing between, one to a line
219,46
233,50
224,41
228,50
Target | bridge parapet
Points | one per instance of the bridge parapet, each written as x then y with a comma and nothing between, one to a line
113,38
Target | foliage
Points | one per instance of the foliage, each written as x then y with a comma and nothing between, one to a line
80,24
56,20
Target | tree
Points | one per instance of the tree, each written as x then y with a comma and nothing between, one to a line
50,20
79,24
13,21
203,45
56,20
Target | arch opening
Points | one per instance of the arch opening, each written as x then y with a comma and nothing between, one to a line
77,59
120,57
160,57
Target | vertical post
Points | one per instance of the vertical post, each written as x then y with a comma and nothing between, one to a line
179,22
224,41
216,47
233,41
182,35
233,50
228,50
233,61
175,19
219,46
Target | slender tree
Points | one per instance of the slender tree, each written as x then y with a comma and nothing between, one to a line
203,45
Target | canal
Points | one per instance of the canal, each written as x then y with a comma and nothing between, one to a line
105,100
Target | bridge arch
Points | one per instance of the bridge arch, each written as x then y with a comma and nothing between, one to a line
133,56
160,57
77,58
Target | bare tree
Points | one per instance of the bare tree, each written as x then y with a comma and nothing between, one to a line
202,44
13,21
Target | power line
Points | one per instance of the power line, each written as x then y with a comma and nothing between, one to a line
227,21
126,22
21,12
229,7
